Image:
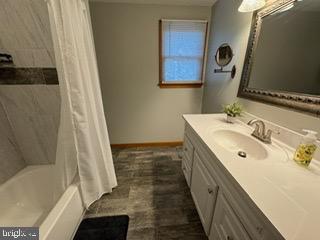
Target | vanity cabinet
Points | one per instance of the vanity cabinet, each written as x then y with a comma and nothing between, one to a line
204,192
224,208
187,161
186,172
225,223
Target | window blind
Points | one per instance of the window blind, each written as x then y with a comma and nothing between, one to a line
183,46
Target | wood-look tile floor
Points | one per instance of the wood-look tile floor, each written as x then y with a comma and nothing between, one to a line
153,192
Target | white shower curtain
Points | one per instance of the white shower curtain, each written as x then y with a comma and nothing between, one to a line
83,142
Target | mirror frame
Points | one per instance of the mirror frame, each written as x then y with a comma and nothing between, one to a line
297,101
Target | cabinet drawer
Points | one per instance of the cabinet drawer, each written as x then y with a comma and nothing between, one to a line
225,224
252,220
188,151
256,224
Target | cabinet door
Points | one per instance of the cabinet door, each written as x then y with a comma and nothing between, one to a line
186,172
225,224
187,160
204,192
188,151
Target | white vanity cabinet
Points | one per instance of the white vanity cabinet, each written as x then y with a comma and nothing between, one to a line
187,160
224,208
225,224
204,192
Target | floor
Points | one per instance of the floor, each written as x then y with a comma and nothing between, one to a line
153,192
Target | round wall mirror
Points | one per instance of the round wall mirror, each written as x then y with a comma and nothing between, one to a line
224,55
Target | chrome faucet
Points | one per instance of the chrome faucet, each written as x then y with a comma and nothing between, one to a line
260,131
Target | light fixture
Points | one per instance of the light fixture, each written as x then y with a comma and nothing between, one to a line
251,5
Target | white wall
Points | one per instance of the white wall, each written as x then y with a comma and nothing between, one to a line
126,39
227,26
233,27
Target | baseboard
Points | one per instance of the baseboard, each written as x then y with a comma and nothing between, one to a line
148,144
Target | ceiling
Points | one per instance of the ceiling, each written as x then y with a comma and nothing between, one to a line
165,2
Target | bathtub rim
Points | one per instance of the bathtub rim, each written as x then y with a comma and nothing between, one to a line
59,208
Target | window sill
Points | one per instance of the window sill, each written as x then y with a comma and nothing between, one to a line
180,85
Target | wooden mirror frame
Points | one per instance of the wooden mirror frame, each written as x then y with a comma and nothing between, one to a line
297,101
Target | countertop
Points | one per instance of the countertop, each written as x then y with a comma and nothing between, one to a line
286,193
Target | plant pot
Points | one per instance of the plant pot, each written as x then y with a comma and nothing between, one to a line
231,119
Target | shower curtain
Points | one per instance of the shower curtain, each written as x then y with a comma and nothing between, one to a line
83,142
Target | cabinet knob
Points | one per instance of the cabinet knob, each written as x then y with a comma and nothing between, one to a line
229,238
186,149
210,190
183,168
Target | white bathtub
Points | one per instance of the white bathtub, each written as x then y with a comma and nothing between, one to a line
26,200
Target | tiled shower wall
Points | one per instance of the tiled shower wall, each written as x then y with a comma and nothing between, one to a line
25,33
11,159
29,90
29,122
33,113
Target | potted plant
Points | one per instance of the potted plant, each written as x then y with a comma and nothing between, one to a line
232,110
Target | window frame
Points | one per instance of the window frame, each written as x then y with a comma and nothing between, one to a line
181,84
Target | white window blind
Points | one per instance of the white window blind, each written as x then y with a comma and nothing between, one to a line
183,47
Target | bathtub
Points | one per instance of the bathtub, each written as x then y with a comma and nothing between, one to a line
26,200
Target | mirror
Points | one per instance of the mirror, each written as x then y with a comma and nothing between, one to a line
282,63
223,57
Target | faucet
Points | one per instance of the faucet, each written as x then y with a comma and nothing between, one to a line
260,131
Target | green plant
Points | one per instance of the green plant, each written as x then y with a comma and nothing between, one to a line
233,110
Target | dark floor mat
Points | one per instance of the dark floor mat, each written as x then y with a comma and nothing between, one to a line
103,228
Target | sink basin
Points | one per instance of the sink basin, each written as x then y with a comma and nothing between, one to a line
234,141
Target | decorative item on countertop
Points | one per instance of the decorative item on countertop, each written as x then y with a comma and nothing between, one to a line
306,149
232,110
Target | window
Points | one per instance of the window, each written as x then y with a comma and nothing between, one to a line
182,49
